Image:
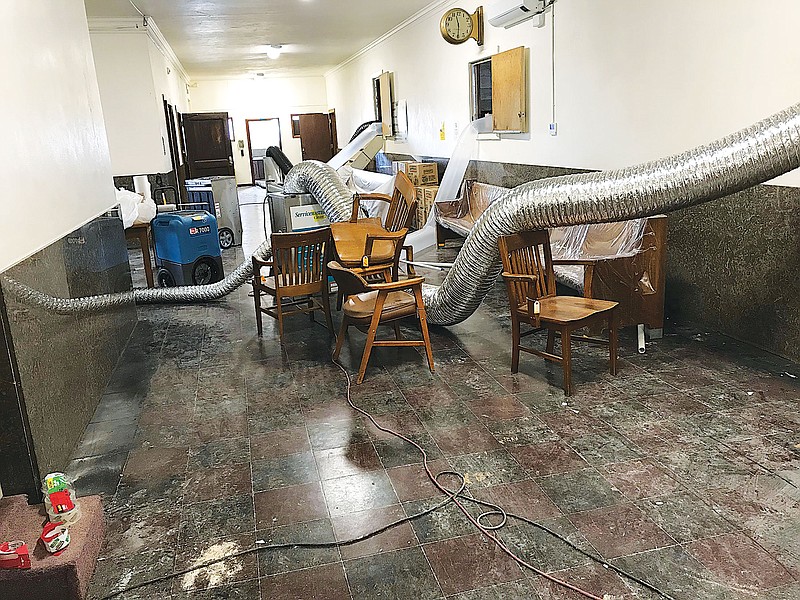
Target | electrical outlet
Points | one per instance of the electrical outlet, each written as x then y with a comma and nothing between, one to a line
553,128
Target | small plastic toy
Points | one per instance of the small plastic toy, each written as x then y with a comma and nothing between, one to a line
55,538
14,555
59,499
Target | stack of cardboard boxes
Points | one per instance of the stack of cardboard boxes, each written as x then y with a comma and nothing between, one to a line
425,177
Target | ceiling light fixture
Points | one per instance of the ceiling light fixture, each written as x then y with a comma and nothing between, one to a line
274,51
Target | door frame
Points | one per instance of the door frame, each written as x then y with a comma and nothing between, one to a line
250,146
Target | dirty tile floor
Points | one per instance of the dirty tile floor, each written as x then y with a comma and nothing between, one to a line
683,469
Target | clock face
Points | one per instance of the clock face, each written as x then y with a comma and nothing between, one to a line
457,25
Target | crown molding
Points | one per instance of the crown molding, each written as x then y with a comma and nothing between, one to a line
420,14
138,25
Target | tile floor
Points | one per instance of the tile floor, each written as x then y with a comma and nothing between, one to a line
683,469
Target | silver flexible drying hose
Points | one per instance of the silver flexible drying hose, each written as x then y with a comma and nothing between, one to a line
306,174
741,160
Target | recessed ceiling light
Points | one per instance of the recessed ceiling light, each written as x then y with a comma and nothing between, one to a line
274,51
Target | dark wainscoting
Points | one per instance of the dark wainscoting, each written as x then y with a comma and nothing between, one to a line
53,367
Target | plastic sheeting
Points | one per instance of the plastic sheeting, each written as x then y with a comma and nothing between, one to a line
466,149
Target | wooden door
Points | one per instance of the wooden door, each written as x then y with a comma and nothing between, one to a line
315,137
510,91
208,146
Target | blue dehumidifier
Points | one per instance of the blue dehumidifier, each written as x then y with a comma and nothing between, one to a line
187,248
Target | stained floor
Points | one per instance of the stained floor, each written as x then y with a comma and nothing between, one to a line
682,470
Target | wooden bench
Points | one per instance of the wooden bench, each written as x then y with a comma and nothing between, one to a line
623,262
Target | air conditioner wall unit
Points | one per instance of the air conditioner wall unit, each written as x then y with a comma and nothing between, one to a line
507,13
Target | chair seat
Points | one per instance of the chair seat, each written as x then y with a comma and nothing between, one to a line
361,307
351,240
569,309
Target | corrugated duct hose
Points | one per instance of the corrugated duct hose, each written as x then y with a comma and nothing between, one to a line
746,158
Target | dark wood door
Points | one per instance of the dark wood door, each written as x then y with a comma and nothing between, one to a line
315,137
208,144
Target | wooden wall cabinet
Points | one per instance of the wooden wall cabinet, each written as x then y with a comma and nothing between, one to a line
386,91
510,91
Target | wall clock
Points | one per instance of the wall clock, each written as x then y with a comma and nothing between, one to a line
457,26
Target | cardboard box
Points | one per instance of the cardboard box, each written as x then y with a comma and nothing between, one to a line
426,195
418,172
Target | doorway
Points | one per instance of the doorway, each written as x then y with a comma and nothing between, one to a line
261,134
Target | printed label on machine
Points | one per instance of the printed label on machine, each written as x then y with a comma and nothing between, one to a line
307,216
199,230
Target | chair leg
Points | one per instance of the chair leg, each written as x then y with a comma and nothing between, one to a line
566,360
551,340
612,341
340,339
423,325
311,307
279,305
257,300
339,300
373,330
326,308
397,334
514,344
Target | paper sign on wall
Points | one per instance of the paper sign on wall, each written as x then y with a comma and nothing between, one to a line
307,216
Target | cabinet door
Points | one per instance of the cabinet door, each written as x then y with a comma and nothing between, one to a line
387,97
510,91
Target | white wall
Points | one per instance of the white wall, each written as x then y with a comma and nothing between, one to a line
635,79
134,76
55,153
259,99
129,103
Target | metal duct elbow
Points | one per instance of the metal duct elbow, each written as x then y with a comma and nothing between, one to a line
321,181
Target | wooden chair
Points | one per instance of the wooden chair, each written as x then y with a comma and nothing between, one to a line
402,204
373,304
531,286
299,271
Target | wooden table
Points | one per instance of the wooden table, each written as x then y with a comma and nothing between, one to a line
142,233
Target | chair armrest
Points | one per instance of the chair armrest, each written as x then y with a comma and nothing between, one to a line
397,285
520,277
258,263
382,197
577,261
393,236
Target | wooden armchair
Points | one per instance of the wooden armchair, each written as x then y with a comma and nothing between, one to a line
531,287
402,204
374,304
299,272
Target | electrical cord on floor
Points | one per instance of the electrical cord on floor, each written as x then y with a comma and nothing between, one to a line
455,496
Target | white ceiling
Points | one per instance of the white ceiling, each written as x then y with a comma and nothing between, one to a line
216,38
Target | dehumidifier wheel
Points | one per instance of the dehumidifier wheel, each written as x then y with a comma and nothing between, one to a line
225,238
203,271
165,278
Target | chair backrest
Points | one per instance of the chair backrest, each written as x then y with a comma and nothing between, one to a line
301,259
404,204
349,282
528,253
